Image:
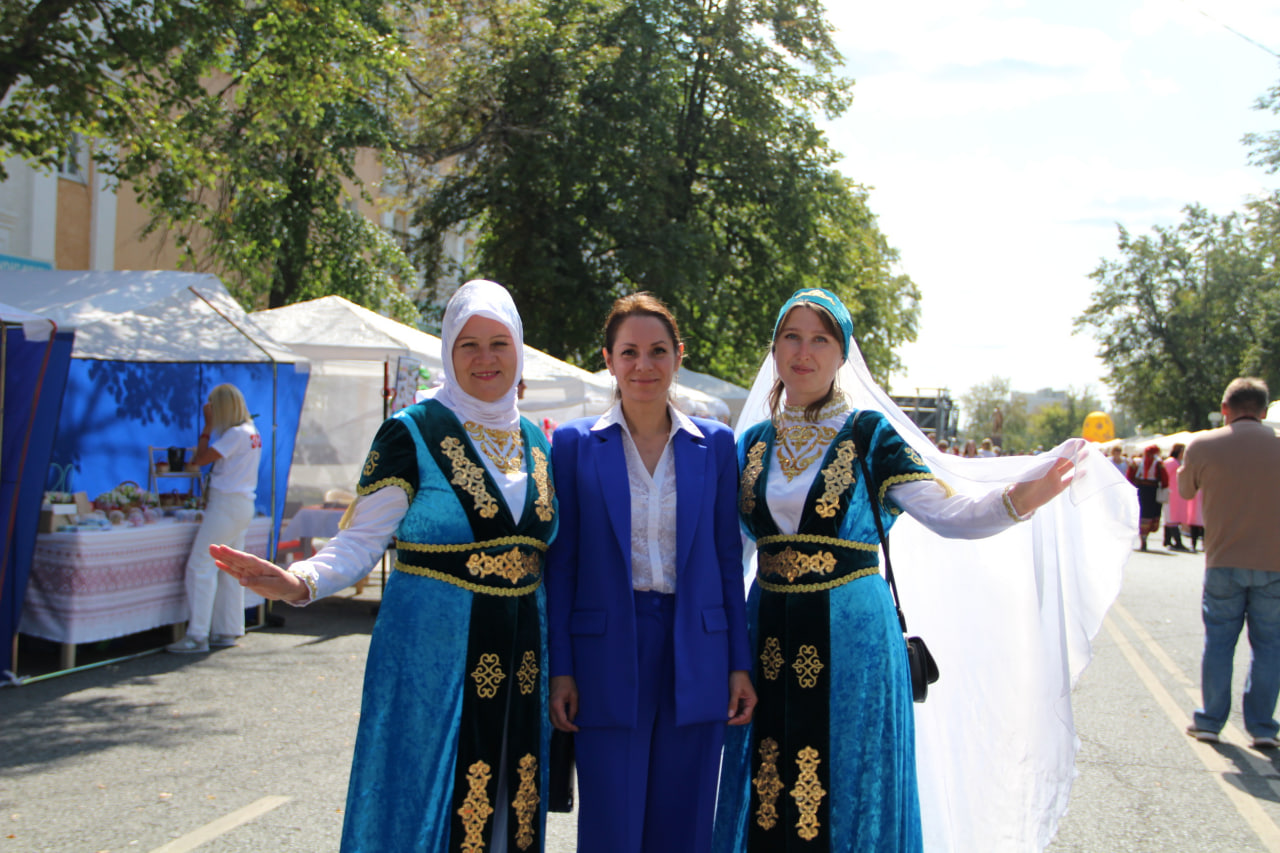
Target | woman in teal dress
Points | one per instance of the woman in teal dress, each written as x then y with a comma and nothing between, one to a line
829,762
451,752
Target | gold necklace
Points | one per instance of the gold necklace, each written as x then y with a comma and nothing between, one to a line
504,448
800,442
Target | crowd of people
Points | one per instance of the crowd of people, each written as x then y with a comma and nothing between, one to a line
594,584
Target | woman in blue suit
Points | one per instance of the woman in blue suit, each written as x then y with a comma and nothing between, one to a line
646,617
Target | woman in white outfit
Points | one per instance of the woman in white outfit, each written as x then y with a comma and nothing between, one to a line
215,601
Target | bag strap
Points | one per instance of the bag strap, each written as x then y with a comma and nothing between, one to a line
875,514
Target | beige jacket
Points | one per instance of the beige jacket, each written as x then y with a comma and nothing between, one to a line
1237,468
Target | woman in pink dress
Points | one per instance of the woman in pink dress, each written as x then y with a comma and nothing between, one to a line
1177,510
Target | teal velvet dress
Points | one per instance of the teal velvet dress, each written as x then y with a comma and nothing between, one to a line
828,763
453,736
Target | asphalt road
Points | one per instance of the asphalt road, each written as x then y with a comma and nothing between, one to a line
247,749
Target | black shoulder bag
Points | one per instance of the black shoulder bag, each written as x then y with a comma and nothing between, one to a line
924,670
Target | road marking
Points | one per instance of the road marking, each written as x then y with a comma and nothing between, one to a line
222,825
1218,766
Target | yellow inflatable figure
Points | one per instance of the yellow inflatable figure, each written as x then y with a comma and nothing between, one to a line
1098,427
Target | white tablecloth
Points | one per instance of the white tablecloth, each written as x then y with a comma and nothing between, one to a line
312,522
93,586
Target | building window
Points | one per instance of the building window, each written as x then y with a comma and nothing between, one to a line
75,166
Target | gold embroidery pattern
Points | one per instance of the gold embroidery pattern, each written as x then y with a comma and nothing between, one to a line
526,802
838,475
914,456
459,547
469,476
771,660
751,473
818,587
475,809
807,665
504,448
514,565
808,794
382,484
768,784
479,589
546,493
791,564
798,447
815,539
488,675
371,462
527,675
902,478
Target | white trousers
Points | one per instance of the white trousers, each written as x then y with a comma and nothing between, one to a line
215,600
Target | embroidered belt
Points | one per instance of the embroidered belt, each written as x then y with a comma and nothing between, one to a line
809,563
508,566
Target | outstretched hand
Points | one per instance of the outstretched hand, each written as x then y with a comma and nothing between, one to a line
1033,494
261,576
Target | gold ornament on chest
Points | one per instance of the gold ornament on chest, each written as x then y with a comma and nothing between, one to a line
504,448
800,446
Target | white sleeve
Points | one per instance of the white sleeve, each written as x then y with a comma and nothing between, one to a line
354,552
955,516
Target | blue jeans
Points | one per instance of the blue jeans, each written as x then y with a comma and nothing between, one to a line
1233,597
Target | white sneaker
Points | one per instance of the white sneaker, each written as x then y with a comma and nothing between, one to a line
223,641
1266,743
188,646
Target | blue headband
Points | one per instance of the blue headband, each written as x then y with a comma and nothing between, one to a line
828,302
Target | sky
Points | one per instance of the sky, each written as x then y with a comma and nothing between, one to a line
1003,141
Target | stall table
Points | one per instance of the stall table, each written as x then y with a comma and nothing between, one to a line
318,522
88,586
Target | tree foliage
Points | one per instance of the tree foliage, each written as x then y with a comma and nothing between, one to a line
978,406
1185,310
254,173
667,145
237,123
1055,423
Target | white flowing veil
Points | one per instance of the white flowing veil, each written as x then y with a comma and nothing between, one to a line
1010,620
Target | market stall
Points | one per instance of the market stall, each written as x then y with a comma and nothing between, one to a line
34,357
91,585
149,346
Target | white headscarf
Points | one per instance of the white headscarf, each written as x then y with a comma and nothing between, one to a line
1010,620
484,299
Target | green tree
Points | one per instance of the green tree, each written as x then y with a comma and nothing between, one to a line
1056,422
978,406
669,146
237,123
76,66
1186,309
254,174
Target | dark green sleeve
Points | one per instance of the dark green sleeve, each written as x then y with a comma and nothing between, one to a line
392,460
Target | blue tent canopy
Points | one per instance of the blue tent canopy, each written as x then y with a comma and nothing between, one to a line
149,347
35,361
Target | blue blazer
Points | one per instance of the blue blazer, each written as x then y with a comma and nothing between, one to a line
591,626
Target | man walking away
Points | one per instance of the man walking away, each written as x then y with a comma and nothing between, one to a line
1237,470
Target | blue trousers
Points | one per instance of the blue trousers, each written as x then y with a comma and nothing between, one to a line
652,788
1232,598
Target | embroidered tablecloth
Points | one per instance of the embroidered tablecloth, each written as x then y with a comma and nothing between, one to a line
93,586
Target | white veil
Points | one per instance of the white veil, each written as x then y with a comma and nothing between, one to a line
1010,620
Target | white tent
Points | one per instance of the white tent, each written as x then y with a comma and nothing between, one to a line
355,354
734,396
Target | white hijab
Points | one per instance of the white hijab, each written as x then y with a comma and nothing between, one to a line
1010,620
484,299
